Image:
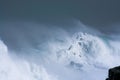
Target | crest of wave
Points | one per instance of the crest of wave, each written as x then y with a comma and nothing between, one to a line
85,50
12,69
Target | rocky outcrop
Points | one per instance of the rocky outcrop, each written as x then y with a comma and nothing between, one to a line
114,73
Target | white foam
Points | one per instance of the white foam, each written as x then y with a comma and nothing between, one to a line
85,49
20,70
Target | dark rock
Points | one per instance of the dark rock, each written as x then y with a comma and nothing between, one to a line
114,73
107,79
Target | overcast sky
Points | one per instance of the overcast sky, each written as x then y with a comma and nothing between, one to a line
95,13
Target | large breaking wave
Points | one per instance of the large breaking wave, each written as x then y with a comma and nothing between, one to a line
20,70
35,53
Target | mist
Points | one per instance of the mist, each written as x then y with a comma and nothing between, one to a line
59,40
36,51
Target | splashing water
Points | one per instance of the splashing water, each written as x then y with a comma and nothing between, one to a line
86,49
22,70
55,55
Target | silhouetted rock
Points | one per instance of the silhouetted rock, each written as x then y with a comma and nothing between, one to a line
114,73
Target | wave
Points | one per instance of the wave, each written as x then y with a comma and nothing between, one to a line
11,69
86,49
42,53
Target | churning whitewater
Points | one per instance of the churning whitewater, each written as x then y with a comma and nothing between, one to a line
20,70
62,56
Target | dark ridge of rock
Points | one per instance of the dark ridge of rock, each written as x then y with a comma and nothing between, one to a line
114,73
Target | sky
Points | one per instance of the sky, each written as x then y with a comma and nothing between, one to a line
100,14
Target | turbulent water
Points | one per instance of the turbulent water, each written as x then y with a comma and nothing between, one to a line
36,52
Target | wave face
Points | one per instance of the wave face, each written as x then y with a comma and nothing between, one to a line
56,54
20,70
85,49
